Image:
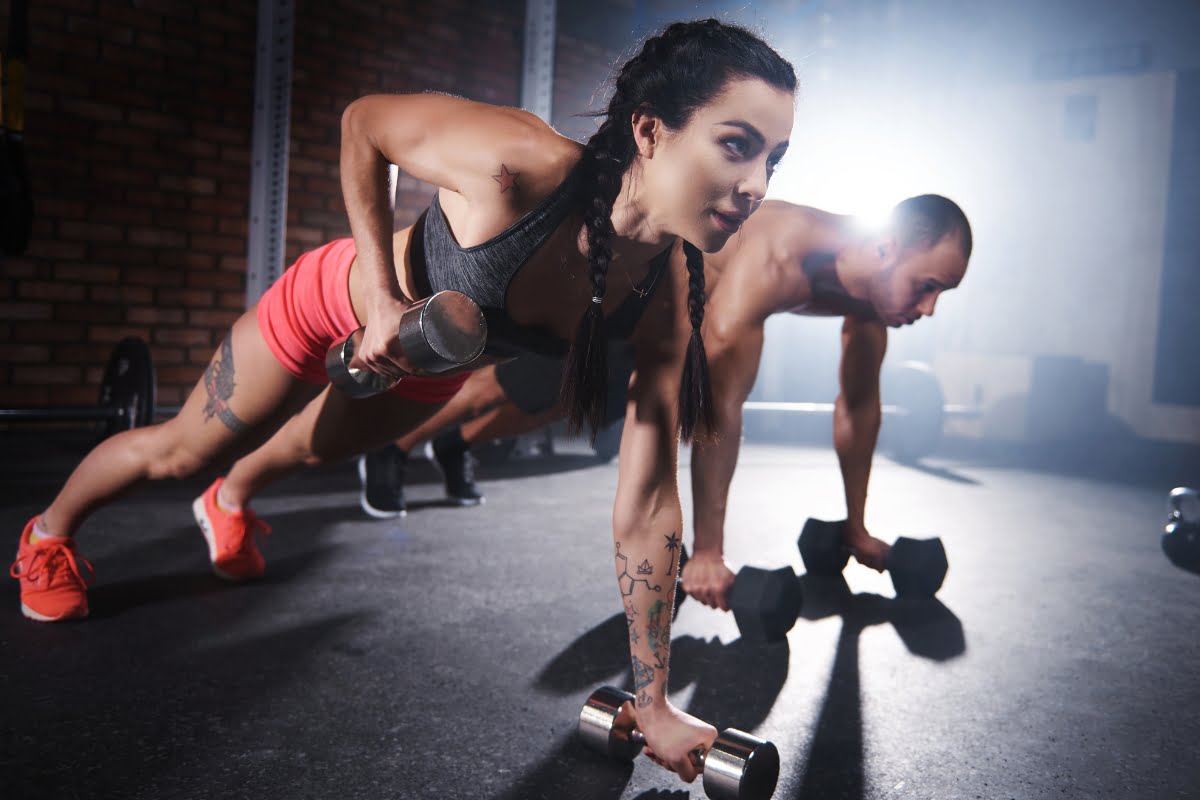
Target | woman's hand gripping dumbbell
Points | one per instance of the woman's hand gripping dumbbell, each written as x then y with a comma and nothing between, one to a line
435,334
765,602
737,766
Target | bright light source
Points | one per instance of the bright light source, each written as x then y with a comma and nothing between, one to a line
859,164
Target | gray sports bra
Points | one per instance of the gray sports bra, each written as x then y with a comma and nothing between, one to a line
484,272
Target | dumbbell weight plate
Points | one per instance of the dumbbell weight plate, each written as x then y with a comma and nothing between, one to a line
741,767
737,767
436,334
917,566
821,547
606,726
765,603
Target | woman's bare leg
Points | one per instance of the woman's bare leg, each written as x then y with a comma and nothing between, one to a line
331,428
505,421
478,395
244,393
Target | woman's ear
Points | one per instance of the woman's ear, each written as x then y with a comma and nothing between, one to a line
647,131
885,248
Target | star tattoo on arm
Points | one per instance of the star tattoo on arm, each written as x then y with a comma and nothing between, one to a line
506,179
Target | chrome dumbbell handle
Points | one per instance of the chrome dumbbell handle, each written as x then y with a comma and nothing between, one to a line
436,334
725,766
738,766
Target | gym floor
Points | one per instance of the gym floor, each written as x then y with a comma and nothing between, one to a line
447,655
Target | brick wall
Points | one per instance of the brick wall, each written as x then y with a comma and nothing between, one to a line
139,134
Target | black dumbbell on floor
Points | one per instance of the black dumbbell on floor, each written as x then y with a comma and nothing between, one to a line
917,566
765,603
738,766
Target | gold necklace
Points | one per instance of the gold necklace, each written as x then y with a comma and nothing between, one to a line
641,293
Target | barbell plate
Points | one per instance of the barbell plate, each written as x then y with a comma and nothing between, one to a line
61,414
129,384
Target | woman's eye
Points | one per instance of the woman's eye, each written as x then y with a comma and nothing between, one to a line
736,146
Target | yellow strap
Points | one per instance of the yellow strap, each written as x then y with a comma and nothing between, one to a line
15,89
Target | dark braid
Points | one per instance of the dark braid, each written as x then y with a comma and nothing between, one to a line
585,375
678,71
695,391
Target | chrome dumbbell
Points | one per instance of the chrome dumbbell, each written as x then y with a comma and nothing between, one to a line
436,334
738,766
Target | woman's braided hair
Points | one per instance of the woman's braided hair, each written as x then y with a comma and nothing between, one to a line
677,72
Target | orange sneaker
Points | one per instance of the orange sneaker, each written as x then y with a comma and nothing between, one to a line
232,547
52,587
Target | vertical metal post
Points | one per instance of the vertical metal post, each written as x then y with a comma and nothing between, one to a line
537,77
269,157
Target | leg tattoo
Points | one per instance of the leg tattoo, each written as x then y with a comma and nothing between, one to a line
219,383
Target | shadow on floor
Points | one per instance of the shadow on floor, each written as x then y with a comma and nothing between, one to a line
834,765
162,692
600,656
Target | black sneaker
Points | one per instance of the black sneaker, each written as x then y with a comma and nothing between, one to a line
453,457
381,472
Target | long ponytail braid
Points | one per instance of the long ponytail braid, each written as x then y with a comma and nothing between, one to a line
695,391
585,374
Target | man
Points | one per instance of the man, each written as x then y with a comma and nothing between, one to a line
799,260
787,259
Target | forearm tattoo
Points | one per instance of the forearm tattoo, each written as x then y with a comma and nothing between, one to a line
218,384
659,634
627,581
657,626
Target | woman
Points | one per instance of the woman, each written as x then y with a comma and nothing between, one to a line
529,224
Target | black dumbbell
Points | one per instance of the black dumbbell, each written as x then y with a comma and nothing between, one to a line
917,566
765,603
738,766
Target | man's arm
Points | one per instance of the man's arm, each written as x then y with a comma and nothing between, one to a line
856,418
733,357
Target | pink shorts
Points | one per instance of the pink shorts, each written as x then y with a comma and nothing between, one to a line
308,309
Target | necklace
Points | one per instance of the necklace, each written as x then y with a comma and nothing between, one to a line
642,293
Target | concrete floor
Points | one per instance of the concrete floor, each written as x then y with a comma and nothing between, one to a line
447,655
